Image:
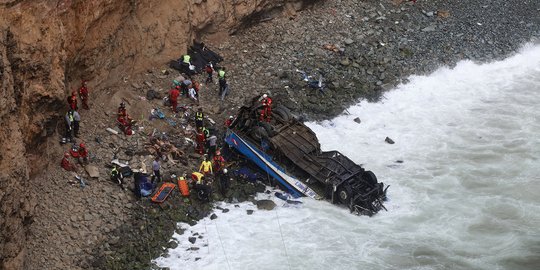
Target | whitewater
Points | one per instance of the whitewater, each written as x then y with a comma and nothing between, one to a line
464,176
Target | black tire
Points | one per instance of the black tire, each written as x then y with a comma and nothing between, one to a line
344,193
258,133
370,178
282,113
247,124
269,129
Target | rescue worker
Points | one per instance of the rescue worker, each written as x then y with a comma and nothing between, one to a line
125,125
218,161
200,139
117,176
203,189
209,68
186,59
72,101
212,145
224,182
122,110
124,120
266,111
155,167
83,93
72,124
199,118
193,94
196,87
197,177
222,81
66,164
173,97
206,133
83,154
229,121
206,167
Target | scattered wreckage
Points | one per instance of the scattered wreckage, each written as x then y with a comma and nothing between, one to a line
290,153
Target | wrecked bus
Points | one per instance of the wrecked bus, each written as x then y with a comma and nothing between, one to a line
289,152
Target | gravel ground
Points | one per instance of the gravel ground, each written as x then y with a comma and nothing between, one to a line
382,42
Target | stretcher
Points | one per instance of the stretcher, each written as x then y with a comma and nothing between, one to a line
163,192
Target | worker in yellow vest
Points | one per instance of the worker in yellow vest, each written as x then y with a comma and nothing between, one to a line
186,59
206,167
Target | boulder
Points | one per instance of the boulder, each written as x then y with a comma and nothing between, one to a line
265,204
388,140
92,171
357,120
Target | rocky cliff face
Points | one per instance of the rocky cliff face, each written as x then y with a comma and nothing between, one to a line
47,46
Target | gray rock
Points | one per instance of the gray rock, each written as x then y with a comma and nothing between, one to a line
357,120
213,216
249,211
430,28
192,240
388,140
172,244
266,204
349,41
345,62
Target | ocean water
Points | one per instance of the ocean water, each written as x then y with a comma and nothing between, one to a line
465,194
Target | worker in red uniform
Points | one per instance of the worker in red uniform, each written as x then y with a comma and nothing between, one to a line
201,140
83,93
209,68
266,111
66,164
83,154
124,123
229,121
122,112
196,87
218,161
72,101
173,97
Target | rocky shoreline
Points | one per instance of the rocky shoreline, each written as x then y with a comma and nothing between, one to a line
361,48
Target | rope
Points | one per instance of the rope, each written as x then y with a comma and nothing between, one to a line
219,235
283,241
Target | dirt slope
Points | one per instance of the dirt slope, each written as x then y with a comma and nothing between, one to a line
47,46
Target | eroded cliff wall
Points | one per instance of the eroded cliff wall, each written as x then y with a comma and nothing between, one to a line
46,46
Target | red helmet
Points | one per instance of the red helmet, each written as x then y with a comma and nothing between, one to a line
82,145
73,93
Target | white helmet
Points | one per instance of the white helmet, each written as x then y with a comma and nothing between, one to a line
265,96
224,170
231,117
